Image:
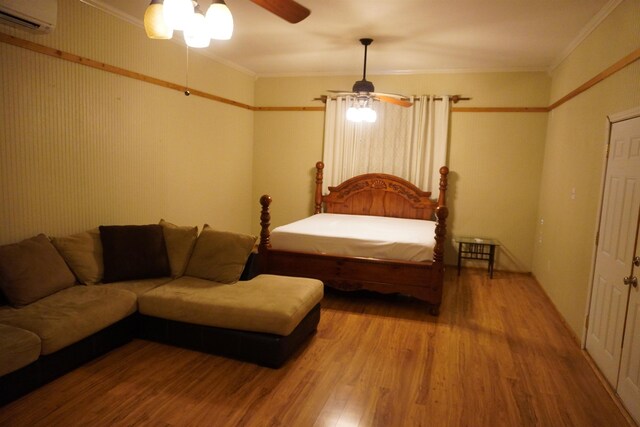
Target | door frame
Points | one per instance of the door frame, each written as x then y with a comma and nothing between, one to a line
610,121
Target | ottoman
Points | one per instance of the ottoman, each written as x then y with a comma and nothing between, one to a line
263,320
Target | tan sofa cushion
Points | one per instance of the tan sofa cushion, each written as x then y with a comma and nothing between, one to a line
70,315
18,348
180,241
138,287
83,253
220,255
267,303
32,269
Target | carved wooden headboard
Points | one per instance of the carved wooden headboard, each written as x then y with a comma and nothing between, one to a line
380,195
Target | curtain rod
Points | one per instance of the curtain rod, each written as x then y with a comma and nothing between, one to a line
453,98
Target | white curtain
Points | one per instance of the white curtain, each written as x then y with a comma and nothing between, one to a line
407,142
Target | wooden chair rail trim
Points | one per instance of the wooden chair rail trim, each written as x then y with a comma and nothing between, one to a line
627,60
500,110
56,53
288,108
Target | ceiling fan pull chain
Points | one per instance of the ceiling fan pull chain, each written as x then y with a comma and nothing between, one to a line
186,89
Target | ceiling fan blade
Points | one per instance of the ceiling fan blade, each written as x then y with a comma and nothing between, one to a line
400,102
392,95
288,10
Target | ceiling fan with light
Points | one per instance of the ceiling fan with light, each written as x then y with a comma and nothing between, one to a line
162,17
364,93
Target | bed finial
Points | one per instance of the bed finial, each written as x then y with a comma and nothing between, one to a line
442,196
319,177
265,223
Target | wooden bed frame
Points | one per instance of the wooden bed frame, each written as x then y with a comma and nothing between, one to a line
369,194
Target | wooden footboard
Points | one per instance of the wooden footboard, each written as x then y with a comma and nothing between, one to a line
369,194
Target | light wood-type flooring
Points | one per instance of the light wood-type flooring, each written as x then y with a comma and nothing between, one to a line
498,355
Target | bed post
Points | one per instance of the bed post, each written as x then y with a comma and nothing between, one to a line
442,212
265,222
318,201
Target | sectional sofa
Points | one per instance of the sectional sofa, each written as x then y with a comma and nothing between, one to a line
70,299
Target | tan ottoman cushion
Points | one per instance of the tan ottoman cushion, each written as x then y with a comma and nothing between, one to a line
70,315
267,303
18,348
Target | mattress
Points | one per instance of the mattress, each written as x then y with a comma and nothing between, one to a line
358,236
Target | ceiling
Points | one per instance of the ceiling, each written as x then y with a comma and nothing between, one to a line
410,36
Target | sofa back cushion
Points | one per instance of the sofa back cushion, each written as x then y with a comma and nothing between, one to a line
31,270
180,241
220,255
83,253
131,252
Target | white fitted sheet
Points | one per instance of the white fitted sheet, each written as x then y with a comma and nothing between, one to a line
358,235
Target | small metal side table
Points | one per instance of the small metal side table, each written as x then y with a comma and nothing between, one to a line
478,249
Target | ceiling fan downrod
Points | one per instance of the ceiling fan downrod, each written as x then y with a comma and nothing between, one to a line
364,85
365,43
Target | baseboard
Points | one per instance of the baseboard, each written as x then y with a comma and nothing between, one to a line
609,389
612,393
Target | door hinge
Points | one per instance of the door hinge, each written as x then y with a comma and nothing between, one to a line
606,155
597,238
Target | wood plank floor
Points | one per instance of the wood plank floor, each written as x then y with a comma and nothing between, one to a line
498,355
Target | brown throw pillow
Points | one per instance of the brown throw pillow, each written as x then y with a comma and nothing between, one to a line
220,255
83,253
180,241
32,269
131,252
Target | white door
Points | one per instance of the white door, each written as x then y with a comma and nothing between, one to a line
616,248
629,380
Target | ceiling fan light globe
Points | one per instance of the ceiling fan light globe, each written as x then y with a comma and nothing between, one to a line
353,114
368,115
196,34
219,21
177,13
154,24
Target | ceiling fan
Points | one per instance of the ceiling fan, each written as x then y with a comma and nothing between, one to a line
288,10
162,17
364,91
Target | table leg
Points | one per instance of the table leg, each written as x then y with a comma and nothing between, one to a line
492,251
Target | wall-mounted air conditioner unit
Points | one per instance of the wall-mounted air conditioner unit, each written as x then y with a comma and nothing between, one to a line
36,15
